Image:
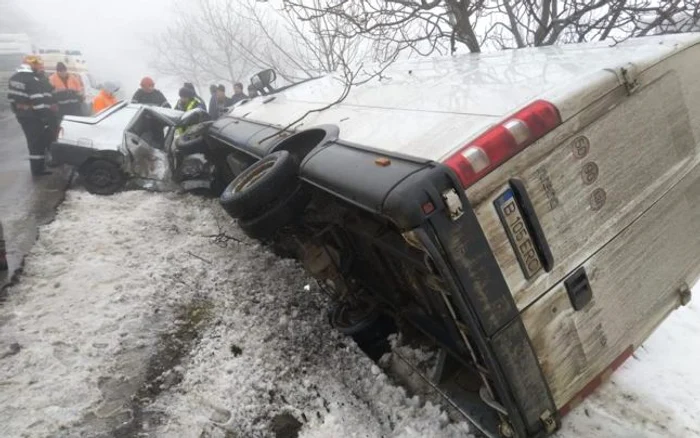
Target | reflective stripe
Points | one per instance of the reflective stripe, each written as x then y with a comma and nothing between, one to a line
19,85
36,96
18,93
64,102
37,157
41,106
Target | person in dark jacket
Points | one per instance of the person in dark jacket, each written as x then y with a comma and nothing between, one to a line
223,103
213,107
31,98
190,86
148,95
238,94
252,91
188,100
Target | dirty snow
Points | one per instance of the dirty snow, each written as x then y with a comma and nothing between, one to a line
104,297
147,314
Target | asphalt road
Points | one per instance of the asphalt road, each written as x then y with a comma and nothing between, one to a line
25,202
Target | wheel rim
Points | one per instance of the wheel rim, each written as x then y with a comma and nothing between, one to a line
254,176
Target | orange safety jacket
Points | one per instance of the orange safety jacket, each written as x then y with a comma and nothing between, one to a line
73,82
68,93
102,101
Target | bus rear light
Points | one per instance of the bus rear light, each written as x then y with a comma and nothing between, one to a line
503,141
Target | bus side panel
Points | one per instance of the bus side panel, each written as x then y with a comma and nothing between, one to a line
635,281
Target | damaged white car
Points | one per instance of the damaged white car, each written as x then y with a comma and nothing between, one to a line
139,146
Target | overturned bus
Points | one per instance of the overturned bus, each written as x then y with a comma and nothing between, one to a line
535,212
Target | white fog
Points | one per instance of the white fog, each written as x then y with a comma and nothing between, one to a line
113,36
422,218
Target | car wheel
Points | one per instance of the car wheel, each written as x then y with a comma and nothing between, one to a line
268,180
284,212
102,177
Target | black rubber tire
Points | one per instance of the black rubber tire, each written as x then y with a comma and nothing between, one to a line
102,177
284,212
270,179
351,324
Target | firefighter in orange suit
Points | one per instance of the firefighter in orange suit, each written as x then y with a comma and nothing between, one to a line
105,98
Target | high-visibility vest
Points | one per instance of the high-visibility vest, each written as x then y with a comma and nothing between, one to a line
103,100
68,92
73,82
193,103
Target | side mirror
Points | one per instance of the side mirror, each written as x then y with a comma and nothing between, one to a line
262,80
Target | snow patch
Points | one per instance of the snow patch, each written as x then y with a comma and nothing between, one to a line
104,289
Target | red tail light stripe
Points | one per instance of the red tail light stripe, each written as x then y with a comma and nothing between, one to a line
503,141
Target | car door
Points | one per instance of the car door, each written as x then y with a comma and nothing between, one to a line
145,161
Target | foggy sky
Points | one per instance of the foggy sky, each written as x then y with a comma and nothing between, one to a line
113,35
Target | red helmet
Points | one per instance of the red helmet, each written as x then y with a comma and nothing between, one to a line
147,82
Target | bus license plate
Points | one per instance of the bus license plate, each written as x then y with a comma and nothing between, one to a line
518,234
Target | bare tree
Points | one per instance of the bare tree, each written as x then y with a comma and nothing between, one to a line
538,23
226,40
424,26
427,26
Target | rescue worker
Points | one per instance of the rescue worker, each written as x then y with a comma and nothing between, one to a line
105,98
188,100
3,251
31,97
238,94
68,91
200,101
252,91
148,95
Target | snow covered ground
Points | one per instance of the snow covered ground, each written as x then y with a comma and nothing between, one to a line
147,314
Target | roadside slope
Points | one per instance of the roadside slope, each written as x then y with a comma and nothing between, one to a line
150,313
